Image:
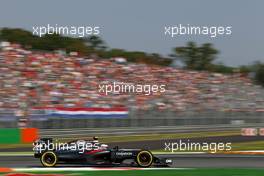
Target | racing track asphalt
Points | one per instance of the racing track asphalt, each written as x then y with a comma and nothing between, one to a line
182,160
179,161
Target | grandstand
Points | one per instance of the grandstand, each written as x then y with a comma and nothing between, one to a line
30,79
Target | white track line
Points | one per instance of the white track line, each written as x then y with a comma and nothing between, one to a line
91,169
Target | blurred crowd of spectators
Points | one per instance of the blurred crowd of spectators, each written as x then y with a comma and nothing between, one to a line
40,79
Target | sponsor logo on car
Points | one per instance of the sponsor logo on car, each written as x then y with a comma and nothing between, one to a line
124,153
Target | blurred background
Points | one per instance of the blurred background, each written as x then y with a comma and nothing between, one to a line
44,80
49,85
208,80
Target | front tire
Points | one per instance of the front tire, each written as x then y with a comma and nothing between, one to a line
144,158
49,159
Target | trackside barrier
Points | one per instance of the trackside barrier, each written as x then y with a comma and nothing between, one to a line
18,136
9,136
28,135
249,131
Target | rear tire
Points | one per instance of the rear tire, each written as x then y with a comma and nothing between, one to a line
144,158
49,159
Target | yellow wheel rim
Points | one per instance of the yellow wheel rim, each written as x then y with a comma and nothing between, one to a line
148,163
49,164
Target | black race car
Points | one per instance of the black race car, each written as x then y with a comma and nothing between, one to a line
91,152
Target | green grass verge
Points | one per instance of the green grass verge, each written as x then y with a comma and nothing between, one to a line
187,172
145,137
4,146
256,145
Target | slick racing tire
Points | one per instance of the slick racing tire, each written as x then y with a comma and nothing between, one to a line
144,158
49,159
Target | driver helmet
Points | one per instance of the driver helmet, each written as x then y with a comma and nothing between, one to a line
95,139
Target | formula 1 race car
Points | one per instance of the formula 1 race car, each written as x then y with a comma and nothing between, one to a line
93,153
